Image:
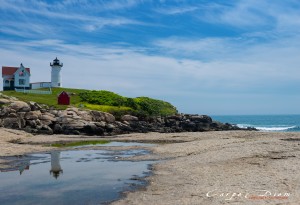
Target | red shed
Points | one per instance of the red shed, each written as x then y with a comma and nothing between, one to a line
63,98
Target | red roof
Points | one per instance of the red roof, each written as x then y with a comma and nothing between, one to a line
64,93
6,70
63,98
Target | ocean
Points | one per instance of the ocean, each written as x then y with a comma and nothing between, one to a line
271,123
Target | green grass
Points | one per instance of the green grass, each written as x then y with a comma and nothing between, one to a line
106,108
81,143
50,100
102,100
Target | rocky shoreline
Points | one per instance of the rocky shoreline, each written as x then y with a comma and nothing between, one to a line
40,119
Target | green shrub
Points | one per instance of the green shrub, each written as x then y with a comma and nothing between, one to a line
141,106
155,107
102,97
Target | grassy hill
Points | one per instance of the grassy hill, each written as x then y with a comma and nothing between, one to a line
102,101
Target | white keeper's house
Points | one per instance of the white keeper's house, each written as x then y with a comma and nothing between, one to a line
19,77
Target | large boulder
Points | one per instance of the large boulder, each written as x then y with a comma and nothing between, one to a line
34,106
57,129
65,119
6,111
85,115
4,101
101,124
44,129
13,122
129,118
32,115
98,116
74,125
200,118
176,117
109,117
124,127
92,129
20,106
47,117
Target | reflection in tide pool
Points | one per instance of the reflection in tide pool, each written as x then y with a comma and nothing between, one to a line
55,164
76,177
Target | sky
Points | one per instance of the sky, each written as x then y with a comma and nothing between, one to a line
206,57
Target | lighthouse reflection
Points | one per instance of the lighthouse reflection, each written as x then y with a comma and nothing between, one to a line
56,169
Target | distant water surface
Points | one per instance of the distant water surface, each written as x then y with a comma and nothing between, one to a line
272,123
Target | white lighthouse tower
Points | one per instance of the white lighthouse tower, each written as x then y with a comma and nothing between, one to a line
55,165
55,73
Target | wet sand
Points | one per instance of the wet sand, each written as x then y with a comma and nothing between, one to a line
232,167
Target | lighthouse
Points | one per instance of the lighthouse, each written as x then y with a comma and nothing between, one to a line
55,73
55,165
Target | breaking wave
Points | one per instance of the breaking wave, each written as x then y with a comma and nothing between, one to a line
275,128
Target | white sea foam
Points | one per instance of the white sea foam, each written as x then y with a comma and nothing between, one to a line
275,128
270,128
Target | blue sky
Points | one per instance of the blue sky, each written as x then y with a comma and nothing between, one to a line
203,56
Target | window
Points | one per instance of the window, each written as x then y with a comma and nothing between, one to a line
21,73
21,81
6,83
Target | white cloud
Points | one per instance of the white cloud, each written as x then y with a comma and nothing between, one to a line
27,25
197,74
269,15
176,10
257,71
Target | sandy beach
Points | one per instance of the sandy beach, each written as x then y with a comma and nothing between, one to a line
232,167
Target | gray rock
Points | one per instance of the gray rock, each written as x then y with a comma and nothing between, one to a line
100,124
57,129
92,129
32,115
44,129
72,109
38,122
31,123
65,119
47,117
12,122
12,115
201,118
110,127
46,122
72,113
97,116
123,126
129,118
30,129
6,111
20,106
75,125
54,112
4,101
21,114
34,106
85,115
